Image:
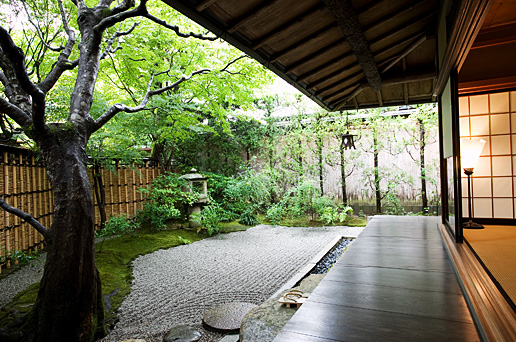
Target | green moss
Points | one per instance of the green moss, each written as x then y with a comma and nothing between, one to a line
306,221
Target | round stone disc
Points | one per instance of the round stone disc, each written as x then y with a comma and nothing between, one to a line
226,317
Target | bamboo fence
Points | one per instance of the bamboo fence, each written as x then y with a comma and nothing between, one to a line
24,185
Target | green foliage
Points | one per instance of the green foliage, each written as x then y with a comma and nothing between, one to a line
276,213
166,200
118,226
249,218
184,241
210,218
331,215
21,257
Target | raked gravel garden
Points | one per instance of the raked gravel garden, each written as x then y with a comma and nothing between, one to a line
177,285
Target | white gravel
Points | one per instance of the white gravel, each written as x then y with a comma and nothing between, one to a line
179,284
21,279
176,286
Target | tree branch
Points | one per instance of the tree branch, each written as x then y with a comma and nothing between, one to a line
15,113
122,12
117,108
38,32
62,63
16,57
28,218
116,35
177,30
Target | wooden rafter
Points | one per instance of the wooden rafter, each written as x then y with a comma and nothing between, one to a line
204,5
313,72
348,68
323,50
405,53
252,13
306,40
347,19
342,72
420,75
292,67
378,55
300,18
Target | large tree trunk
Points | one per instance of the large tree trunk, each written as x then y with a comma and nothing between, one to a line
69,305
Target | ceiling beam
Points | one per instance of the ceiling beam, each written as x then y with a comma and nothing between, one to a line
315,54
377,56
298,19
204,5
349,68
252,13
411,48
347,19
275,57
420,75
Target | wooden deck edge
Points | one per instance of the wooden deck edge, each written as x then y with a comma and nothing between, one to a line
495,319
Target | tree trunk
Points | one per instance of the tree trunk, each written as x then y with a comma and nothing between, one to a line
343,174
378,193
69,305
424,198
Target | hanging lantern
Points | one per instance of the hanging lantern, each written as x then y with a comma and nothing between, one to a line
348,141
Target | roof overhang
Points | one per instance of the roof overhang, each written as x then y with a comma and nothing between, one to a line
347,54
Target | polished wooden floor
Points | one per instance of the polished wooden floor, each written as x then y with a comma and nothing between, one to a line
394,283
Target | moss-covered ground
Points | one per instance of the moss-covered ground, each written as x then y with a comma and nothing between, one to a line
307,221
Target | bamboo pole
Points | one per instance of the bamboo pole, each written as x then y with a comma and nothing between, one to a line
126,190
22,228
111,195
34,200
40,199
16,220
135,202
119,188
7,217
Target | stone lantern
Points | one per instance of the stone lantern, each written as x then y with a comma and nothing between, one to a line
199,184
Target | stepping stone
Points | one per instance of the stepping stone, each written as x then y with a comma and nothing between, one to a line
182,333
226,318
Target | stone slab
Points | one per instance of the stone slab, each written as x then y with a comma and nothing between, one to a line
226,317
182,333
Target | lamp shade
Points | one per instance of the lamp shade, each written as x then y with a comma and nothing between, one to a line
470,149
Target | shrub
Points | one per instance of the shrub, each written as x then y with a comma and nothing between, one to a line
118,226
165,200
248,218
332,215
276,213
210,218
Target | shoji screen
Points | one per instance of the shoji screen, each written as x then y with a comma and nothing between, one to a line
493,118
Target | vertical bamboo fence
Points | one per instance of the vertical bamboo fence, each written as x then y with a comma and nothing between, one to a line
24,185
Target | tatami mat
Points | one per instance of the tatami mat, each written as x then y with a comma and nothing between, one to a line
496,247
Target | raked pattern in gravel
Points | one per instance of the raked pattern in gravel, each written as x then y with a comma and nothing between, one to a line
178,285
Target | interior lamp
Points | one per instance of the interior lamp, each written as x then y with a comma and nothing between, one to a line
470,150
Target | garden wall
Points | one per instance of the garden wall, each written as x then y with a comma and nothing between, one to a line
24,185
